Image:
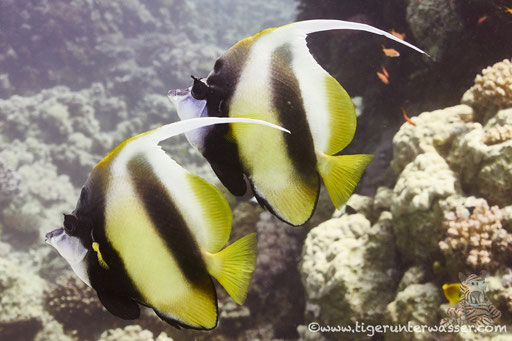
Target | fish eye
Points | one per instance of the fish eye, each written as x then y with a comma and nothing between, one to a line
199,89
70,224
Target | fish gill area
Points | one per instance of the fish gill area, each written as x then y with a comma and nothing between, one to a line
79,77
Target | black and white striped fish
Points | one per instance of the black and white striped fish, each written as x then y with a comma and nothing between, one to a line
146,231
272,76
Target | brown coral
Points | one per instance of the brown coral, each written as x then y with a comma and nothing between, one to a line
475,232
492,89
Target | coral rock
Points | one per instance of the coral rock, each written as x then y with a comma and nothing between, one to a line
417,207
132,333
486,167
492,90
417,304
434,131
348,269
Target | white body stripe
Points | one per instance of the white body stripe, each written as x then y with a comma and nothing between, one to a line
312,81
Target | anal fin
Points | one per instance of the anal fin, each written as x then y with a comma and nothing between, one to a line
122,307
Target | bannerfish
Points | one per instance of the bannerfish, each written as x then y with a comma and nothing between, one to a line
272,76
146,231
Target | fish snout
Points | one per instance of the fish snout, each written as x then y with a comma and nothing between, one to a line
52,234
174,94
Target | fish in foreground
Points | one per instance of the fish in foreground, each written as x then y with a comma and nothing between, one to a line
146,231
452,292
272,76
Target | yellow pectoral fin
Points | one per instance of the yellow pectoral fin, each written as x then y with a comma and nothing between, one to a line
96,248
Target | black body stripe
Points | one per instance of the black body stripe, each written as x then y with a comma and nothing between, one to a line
167,219
90,212
222,154
287,100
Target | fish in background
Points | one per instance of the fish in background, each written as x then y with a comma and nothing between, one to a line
146,231
272,76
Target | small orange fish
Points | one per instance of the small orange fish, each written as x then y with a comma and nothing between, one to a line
384,76
482,19
390,52
509,10
400,36
407,118
385,72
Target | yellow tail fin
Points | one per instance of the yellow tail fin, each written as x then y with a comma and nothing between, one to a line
341,174
234,265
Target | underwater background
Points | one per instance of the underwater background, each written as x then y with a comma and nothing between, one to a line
77,77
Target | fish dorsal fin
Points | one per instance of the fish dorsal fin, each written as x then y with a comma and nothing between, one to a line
155,136
215,211
167,131
303,28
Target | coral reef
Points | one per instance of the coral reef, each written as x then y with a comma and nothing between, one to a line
347,269
417,304
279,247
448,211
133,47
71,302
492,90
433,131
477,234
485,168
416,205
22,316
9,183
132,333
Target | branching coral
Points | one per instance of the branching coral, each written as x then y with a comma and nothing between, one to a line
475,233
492,89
